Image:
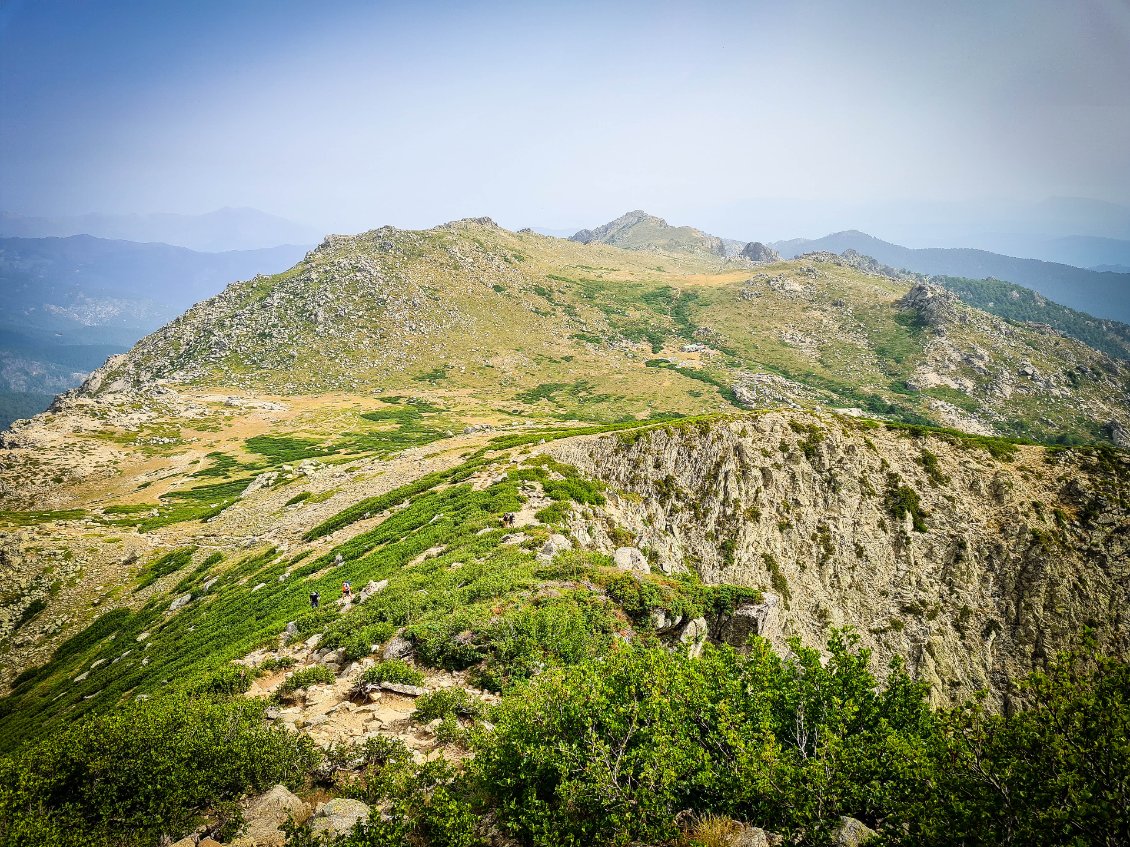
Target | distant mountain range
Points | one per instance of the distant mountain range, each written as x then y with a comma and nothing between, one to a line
1082,251
222,230
1099,293
68,303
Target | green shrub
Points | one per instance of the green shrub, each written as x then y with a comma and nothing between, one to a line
555,513
551,632
225,682
316,675
610,751
165,565
574,565
359,644
129,777
390,670
901,500
446,702
274,663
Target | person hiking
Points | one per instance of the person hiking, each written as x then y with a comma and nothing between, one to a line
315,597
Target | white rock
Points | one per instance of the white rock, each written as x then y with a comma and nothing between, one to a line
555,544
180,602
631,559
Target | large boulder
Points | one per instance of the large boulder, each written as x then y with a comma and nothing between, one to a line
754,836
631,559
180,602
555,544
339,816
751,619
398,647
755,251
265,816
694,636
852,833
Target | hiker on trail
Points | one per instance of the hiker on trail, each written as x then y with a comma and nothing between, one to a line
347,592
315,597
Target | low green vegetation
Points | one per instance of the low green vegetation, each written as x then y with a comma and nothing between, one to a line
1019,304
316,675
165,565
617,749
391,670
33,518
620,749
131,776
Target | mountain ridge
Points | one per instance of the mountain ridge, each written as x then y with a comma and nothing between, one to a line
639,230
62,295
1102,294
221,230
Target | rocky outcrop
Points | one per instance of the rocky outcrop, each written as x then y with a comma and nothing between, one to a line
755,251
852,833
265,816
936,307
607,233
338,817
975,568
637,230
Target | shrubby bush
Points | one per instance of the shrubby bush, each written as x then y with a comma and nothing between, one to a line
316,675
445,702
616,749
390,670
143,771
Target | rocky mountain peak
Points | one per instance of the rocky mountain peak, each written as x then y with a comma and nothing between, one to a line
755,251
637,230
607,232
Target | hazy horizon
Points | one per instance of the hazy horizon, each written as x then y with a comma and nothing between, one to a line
914,123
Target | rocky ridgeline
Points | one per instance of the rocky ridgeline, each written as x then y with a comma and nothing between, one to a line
360,312
353,311
975,569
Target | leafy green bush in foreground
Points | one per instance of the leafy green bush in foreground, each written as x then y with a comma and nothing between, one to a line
614,750
128,777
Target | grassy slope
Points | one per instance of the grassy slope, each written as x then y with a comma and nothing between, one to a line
529,325
142,648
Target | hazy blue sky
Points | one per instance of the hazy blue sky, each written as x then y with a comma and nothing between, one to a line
758,119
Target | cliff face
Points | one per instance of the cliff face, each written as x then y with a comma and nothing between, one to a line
974,567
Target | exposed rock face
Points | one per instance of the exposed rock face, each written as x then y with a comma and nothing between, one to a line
338,816
752,619
755,251
265,816
1009,562
608,232
398,648
935,306
1118,434
867,264
852,833
631,559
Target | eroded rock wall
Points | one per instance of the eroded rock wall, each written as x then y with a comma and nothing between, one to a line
1011,559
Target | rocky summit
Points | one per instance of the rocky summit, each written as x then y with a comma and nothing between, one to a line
468,536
